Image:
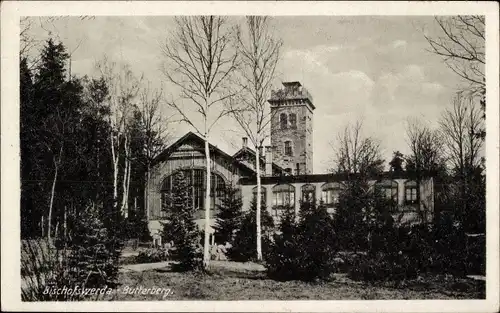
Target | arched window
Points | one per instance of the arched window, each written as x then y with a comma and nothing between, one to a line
389,189
288,148
309,193
283,195
293,120
283,121
330,193
411,192
262,193
196,181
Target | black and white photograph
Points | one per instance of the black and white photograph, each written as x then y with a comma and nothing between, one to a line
249,154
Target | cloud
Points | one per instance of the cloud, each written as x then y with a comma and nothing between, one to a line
399,44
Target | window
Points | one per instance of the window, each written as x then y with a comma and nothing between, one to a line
283,121
278,211
309,193
288,148
196,182
283,195
262,193
411,193
293,120
330,193
389,189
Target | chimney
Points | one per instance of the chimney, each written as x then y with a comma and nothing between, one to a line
269,161
245,142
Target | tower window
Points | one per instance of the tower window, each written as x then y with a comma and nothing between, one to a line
283,121
293,120
288,148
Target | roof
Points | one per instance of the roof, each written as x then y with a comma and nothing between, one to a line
317,178
252,152
193,136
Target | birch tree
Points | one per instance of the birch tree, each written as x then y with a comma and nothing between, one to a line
259,52
123,88
154,130
200,62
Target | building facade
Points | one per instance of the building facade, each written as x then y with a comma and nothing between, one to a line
286,167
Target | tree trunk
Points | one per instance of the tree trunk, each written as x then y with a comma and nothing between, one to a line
206,246
42,226
146,187
65,232
52,193
257,217
115,173
125,178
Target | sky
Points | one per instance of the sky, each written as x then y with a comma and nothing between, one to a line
374,69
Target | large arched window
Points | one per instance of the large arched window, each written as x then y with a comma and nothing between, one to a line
309,193
389,189
330,193
262,193
196,181
411,192
283,121
283,195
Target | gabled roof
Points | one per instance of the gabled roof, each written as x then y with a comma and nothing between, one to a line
252,153
194,137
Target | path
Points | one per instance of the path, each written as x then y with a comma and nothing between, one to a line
235,266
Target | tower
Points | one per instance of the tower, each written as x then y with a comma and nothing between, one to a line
291,128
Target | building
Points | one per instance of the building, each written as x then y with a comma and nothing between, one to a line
286,166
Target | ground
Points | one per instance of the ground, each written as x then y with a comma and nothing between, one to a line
247,281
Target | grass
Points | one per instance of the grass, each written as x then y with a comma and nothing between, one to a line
233,284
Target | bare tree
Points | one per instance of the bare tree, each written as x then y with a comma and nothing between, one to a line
201,62
462,44
356,154
123,88
27,42
259,52
155,131
425,158
459,126
425,147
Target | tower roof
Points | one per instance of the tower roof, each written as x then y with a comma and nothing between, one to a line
292,91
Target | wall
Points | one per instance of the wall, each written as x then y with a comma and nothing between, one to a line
301,137
406,212
189,155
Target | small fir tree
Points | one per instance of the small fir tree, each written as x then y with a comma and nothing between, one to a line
180,227
229,216
244,244
94,252
304,248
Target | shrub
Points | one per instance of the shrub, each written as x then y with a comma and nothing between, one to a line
244,245
88,260
304,248
152,255
383,267
40,268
